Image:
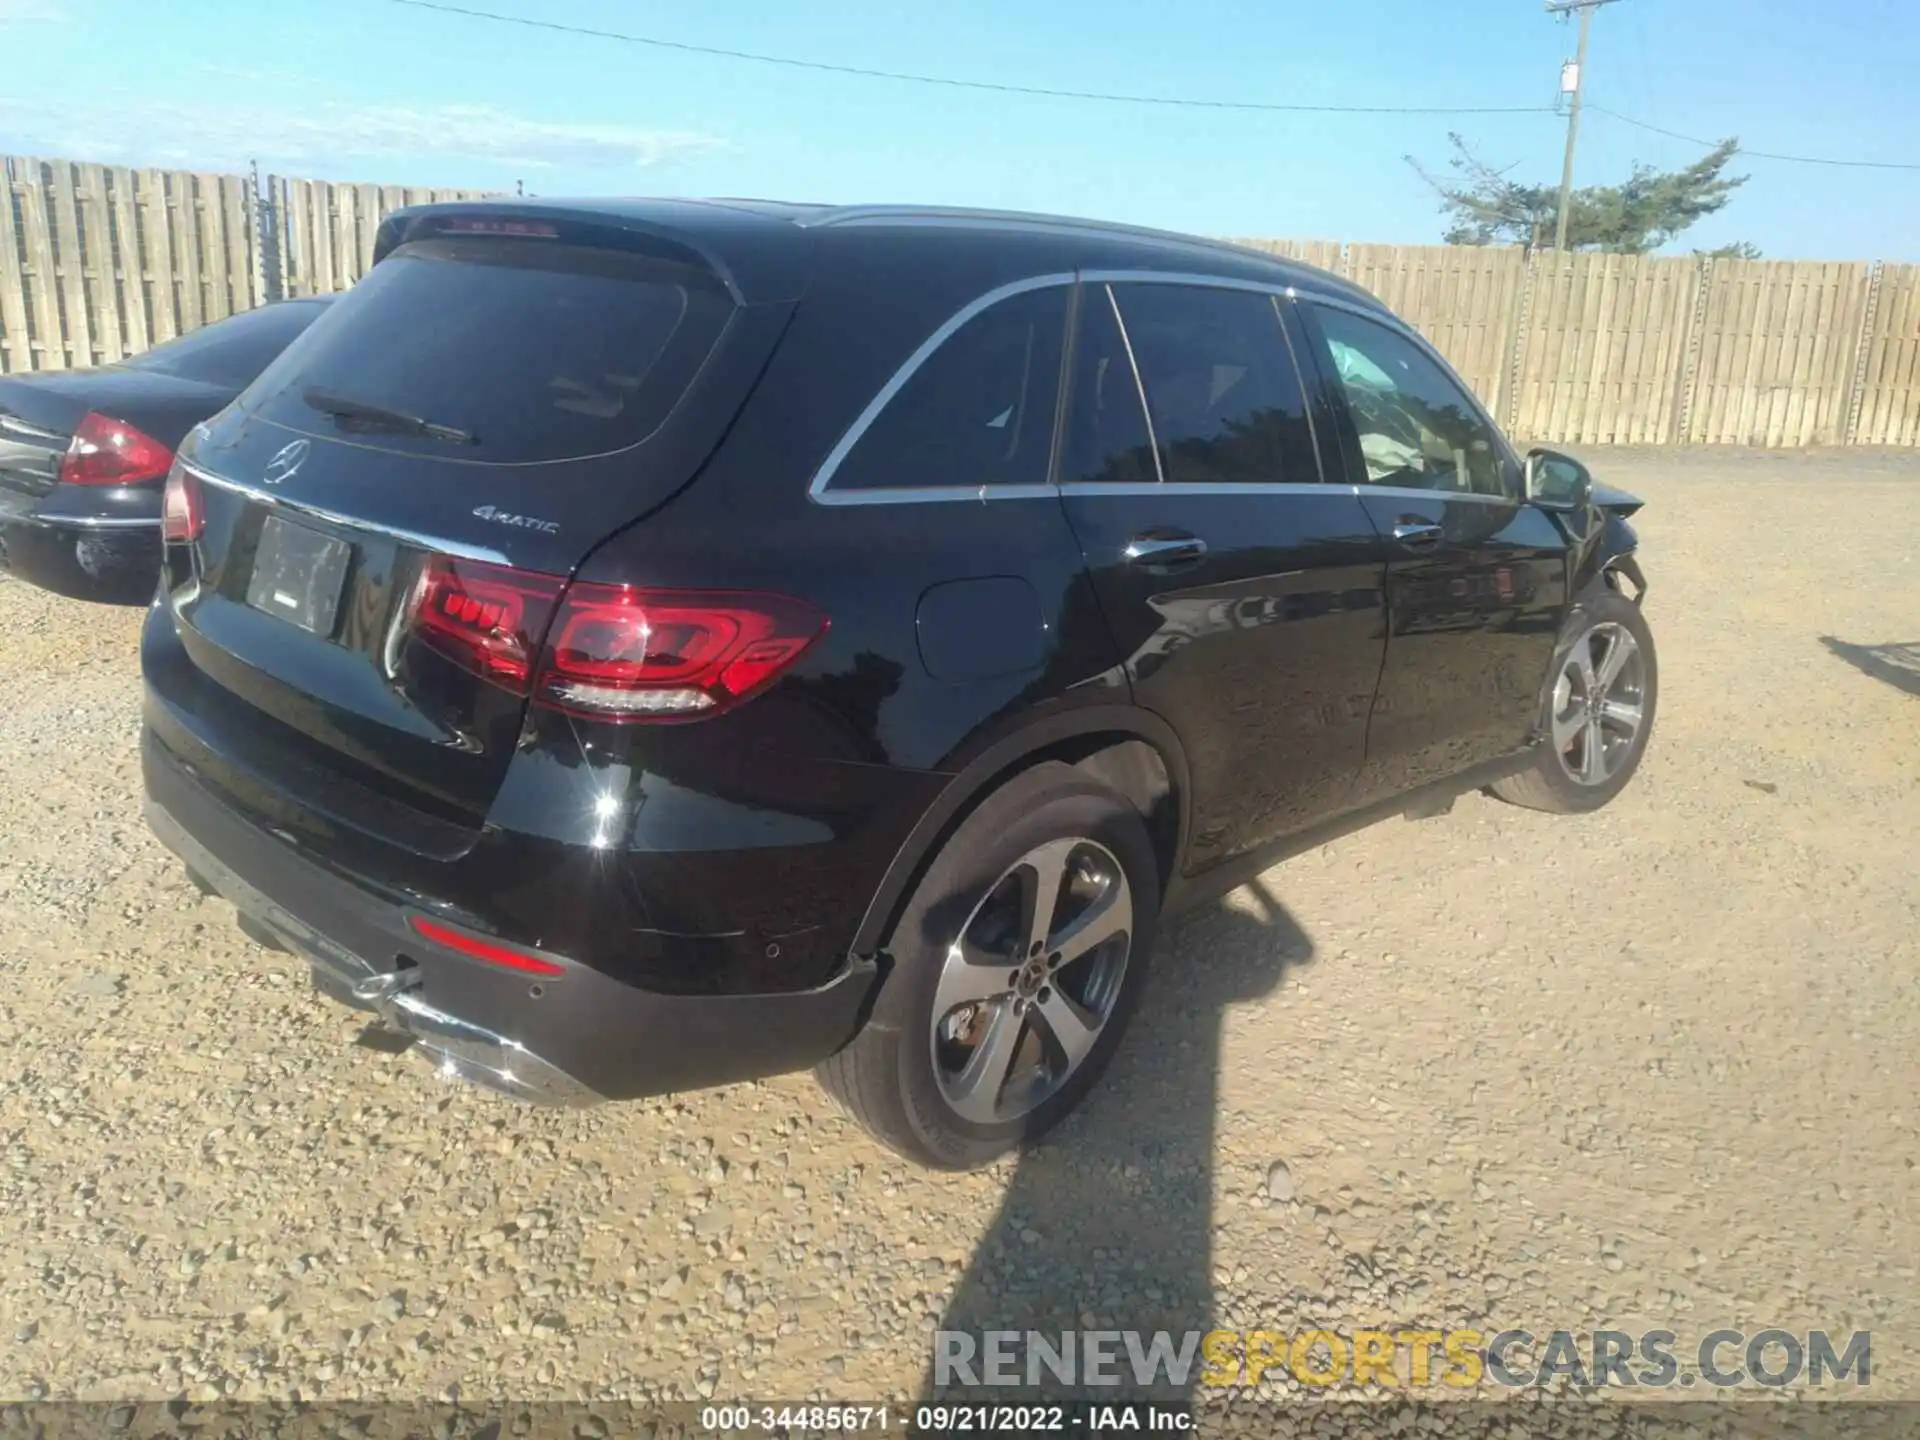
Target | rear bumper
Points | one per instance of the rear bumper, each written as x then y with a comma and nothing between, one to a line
56,543
568,1040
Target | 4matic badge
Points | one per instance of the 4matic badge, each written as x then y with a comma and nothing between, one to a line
519,522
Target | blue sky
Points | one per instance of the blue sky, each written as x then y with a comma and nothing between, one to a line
372,90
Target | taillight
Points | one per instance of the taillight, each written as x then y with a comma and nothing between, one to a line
621,653
106,451
612,652
182,515
486,618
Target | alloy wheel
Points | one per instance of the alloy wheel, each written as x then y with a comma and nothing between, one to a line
1031,980
1599,701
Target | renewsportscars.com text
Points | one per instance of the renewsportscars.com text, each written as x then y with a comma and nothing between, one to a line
1411,1358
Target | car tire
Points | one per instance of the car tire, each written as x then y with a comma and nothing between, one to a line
1573,774
919,1075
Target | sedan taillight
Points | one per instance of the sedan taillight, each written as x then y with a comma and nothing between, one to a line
106,451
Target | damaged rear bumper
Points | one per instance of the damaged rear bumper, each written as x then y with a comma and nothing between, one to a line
567,1040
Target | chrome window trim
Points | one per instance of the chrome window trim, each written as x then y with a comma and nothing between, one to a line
1139,382
439,544
933,494
1204,487
32,431
1414,492
98,522
1289,289
1275,487
819,490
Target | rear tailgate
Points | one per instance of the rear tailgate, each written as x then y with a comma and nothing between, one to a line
572,383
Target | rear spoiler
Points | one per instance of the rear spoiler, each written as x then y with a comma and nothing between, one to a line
754,255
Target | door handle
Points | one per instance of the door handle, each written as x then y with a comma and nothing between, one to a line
1164,549
1417,533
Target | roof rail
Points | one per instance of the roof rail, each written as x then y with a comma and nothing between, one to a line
852,215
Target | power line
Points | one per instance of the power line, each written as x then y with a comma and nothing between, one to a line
1759,154
953,82
1103,96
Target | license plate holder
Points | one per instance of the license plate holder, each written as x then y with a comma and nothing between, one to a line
298,575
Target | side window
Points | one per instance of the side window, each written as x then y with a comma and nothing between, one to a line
1416,428
1106,441
1225,396
978,411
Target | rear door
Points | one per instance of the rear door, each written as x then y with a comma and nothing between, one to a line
477,400
1244,595
1477,581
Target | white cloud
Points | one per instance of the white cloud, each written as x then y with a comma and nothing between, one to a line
327,135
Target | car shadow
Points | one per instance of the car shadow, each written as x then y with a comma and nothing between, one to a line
1898,665
1107,1224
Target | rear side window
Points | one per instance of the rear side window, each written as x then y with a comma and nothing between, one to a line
230,352
537,350
1225,396
978,410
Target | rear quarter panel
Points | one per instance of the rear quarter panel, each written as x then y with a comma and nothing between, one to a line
837,763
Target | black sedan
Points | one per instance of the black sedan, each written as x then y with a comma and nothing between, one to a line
84,453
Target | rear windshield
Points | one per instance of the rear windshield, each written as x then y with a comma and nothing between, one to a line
230,352
533,350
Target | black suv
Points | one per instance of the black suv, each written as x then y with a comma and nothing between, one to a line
634,646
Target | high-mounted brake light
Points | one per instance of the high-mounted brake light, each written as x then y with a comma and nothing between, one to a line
106,451
612,652
494,953
182,514
480,225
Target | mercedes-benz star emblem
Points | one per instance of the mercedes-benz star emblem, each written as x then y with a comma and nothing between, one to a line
285,461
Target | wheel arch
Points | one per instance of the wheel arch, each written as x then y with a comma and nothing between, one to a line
1132,751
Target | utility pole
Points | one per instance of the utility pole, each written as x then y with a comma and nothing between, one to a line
1586,9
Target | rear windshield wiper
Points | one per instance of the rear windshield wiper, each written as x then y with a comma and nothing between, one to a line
362,414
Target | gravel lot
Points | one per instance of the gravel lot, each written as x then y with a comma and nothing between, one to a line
1656,1066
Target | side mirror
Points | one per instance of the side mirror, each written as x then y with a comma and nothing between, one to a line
1557,482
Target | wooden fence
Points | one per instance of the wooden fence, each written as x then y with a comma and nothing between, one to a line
1654,350
98,262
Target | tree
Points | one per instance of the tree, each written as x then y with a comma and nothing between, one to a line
1642,213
